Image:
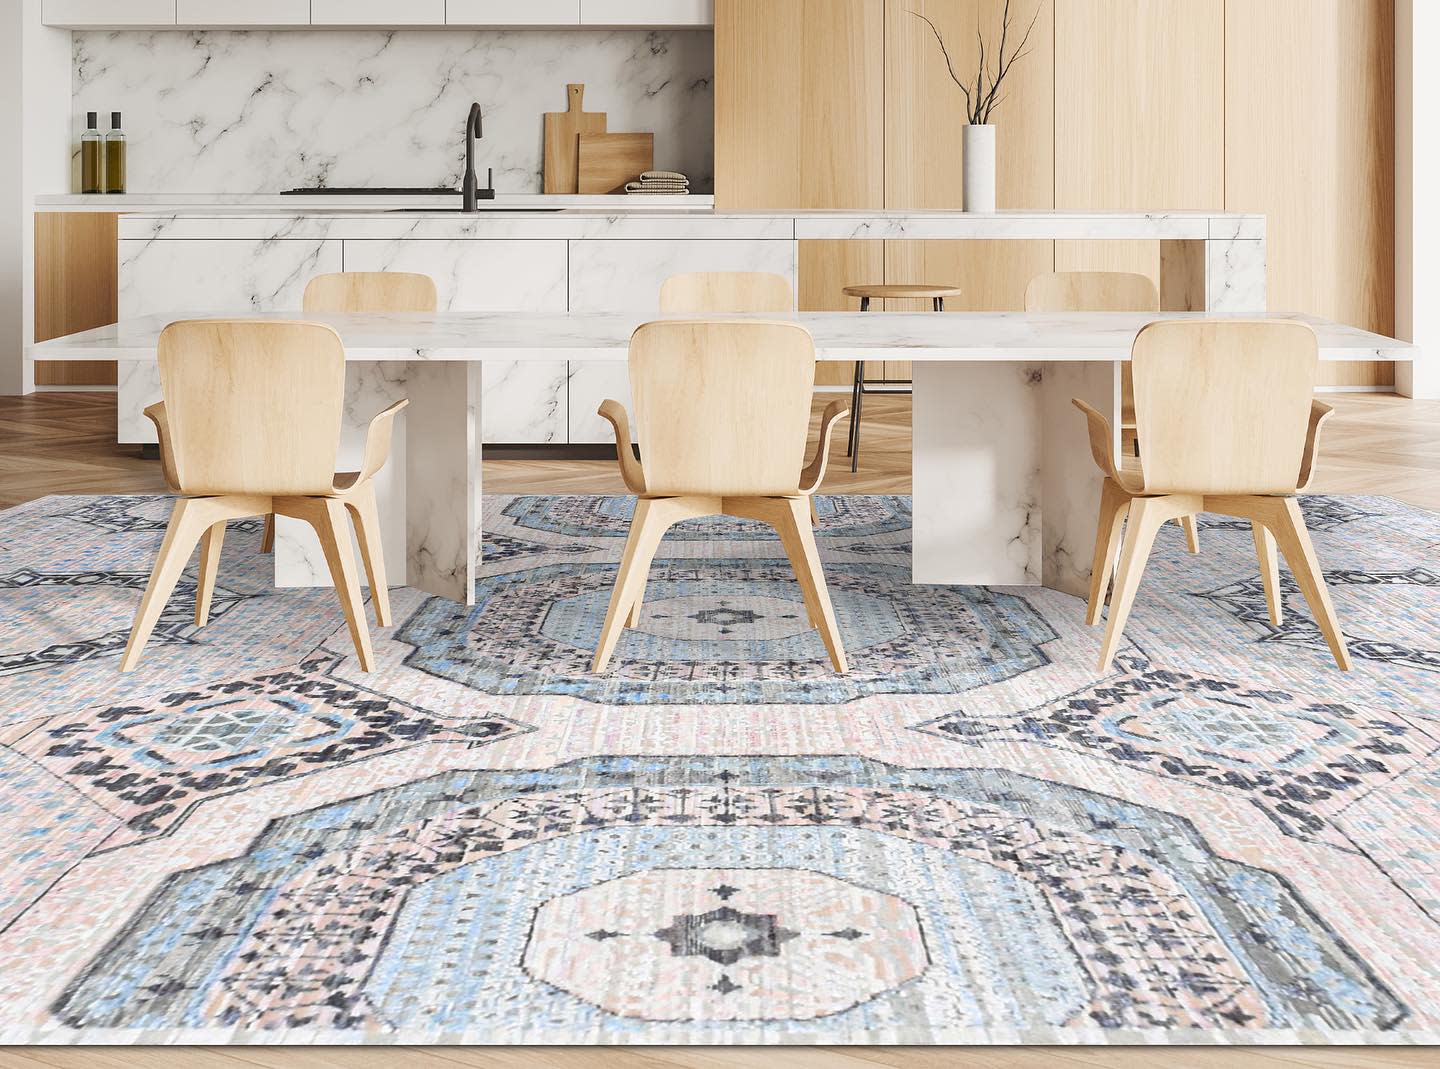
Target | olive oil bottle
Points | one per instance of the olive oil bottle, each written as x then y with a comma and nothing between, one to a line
92,156
115,156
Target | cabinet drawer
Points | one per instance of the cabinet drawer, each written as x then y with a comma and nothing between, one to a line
509,13
647,12
377,12
243,12
82,13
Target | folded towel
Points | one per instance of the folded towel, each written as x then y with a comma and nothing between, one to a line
666,191
664,176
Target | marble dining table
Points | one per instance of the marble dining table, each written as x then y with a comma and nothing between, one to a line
1004,487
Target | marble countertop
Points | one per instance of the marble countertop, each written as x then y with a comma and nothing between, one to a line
924,336
272,203
263,222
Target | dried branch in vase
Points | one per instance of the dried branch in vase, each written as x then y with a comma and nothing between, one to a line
983,97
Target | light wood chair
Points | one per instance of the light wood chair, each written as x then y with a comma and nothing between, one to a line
726,412
1227,413
362,291
250,426
1105,291
860,385
707,292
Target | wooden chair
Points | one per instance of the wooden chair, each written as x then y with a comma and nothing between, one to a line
860,386
1105,291
1227,413
705,292
362,291
726,412
250,426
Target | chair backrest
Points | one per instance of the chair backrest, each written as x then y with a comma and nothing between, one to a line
726,291
725,405
370,291
1223,406
253,406
1091,291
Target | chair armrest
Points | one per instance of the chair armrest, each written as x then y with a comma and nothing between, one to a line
157,416
814,472
377,443
1102,446
630,469
1319,413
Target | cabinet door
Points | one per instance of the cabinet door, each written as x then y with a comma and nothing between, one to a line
625,276
647,12
524,402
509,13
83,13
205,278
243,12
377,12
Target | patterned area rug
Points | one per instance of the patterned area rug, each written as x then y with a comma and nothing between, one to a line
970,838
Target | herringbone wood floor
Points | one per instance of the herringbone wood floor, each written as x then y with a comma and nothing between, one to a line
65,443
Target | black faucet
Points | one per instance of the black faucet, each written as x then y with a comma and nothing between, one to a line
470,188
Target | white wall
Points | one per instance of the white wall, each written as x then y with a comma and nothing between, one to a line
1417,209
259,112
34,117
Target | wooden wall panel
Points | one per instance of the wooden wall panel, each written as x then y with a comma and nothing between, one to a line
825,269
1139,116
1310,143
924,114
76,288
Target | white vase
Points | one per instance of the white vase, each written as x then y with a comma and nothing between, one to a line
978,167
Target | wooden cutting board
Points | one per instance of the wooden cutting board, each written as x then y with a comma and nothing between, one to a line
608,161
562,141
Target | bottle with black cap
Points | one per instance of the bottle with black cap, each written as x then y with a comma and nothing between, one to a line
115,156
92,156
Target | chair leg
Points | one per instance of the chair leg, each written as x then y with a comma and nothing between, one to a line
1147,516
190,518
210,546
366,517
653,517
328,516
1192,534
853,431
811,574
1288,525
267,536
1114,503
1269,570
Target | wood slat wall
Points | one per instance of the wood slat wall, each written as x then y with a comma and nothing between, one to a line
1283,107
76,288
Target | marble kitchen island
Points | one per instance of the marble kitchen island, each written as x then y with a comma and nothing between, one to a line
1002,479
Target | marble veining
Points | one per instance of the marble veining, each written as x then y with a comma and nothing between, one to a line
246,112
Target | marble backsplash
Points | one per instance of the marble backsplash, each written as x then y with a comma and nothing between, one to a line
259,112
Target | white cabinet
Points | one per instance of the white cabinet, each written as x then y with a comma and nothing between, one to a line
647,12
106,13
207,13
511,13
524,402
625,276
377,12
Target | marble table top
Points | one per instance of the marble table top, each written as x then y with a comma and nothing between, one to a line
924,336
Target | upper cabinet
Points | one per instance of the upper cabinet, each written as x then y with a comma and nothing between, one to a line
278,14
377,12
646,12
137,13
242,12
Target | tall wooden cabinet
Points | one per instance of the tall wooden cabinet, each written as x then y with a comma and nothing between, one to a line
1283,107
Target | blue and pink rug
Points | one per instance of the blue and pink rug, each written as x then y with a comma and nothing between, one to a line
971,838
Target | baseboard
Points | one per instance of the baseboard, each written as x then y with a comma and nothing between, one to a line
556,451
75,389
1354,389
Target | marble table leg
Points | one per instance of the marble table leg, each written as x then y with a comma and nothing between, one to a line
428,493
976,473
1005,490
